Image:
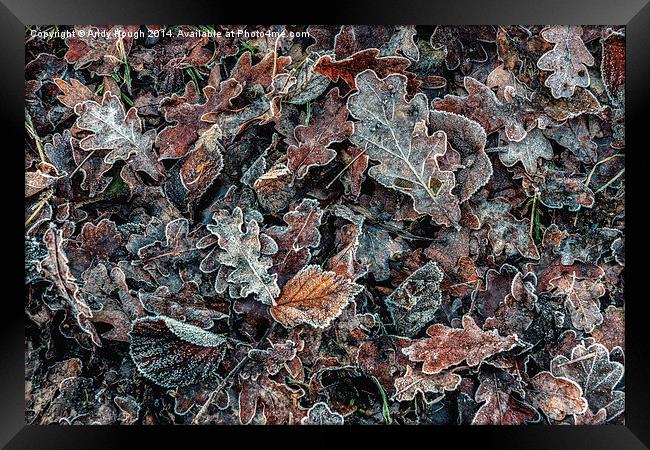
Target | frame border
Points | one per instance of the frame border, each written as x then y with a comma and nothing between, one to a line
635,14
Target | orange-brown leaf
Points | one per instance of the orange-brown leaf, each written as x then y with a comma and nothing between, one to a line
313,297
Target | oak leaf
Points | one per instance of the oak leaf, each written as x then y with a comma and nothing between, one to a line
327,125
598,376
414,381
394,131
244,269
568,60
556,396
446,347
119,132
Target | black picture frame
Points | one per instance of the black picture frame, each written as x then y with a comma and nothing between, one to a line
635,14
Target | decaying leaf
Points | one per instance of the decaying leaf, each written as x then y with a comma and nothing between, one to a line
173,353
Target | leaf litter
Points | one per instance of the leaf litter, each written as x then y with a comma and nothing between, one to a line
325,225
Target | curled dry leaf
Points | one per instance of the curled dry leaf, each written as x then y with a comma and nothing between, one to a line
172,353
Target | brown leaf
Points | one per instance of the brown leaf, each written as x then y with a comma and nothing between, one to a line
611,332
501,407
73,93
414,381
446,347
347,69
557,397
481,105
295,240
313,297
327,125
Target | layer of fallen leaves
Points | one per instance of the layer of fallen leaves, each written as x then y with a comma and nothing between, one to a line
325,225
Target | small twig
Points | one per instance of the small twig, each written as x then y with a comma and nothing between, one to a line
593,169
345,168
582,358
39,206
76,169
616,177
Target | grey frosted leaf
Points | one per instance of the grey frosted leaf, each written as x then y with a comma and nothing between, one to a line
119,132
172,353
568,60
588,247
560,189
506,232
308,86
394,132
244,269
321,414
403,41
414,303
575,135
468,138
376,248
598,376
527,151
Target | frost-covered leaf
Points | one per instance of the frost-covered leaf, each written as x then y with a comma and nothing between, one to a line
568,60
119,132
244,269
313,297
481,105
598,376
528,151
446,347
328,124
556,396
55,267
506,232
347,69
321,414
611,332
295,240
581,300
99,46
393,131
500,407
415,381
414,302
172,353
